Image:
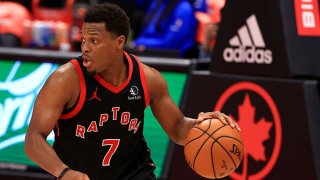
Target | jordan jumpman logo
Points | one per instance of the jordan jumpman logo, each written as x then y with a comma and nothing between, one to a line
95,95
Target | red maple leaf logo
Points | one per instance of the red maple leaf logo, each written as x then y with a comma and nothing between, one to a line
255,129
253,133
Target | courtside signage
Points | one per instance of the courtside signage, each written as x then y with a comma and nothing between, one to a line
20,83
248,45
307,17
258,128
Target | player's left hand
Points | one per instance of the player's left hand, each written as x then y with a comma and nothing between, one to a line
217,115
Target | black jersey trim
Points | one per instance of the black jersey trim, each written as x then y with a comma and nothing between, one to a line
82,92
124,84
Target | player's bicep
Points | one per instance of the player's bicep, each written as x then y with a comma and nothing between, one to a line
50,103
163,107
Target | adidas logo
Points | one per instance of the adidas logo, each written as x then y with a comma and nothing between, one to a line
248,46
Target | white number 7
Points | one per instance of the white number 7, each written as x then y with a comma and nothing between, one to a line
114,143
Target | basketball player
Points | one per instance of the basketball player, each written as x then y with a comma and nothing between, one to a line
95,104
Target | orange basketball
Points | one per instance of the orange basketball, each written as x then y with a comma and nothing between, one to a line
212,149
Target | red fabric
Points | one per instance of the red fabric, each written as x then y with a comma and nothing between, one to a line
213,15
53,14
83,93
12,18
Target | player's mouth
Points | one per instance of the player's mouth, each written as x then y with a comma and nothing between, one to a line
86,61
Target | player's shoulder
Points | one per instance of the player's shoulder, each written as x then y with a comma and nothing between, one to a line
150,72
66,69
64,74
155,81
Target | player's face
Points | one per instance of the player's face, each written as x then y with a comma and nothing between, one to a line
99,47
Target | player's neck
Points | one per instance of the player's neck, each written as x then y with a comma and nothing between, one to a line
117,74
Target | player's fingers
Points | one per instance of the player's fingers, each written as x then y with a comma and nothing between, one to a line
200,114
202,118
199,119
82,176
209,115
220,116
237,126
229,120
232,123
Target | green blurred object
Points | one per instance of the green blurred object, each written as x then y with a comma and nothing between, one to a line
156,138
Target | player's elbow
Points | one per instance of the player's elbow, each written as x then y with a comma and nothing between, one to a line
30,143
27,144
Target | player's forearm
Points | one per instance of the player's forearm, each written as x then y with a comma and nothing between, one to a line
40,151
187,124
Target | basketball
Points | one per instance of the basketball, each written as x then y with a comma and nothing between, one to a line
212,149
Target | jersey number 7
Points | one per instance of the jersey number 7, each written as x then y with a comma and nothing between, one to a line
114,143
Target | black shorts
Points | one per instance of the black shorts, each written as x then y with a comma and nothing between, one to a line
146,172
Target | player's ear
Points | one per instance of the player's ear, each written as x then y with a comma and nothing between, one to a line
121,40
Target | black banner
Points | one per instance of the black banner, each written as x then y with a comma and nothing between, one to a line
268,38
279,120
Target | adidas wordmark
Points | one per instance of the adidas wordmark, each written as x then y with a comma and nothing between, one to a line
250,48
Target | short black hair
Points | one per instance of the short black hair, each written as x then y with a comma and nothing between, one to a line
115,18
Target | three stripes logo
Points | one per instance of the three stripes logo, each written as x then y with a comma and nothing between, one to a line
248,46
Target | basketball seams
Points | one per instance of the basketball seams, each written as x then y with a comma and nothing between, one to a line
230,138
213,169
204,142
198,149
210,135
216,141
203,132
194,139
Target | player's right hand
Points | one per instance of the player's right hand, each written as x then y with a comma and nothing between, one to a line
75,175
